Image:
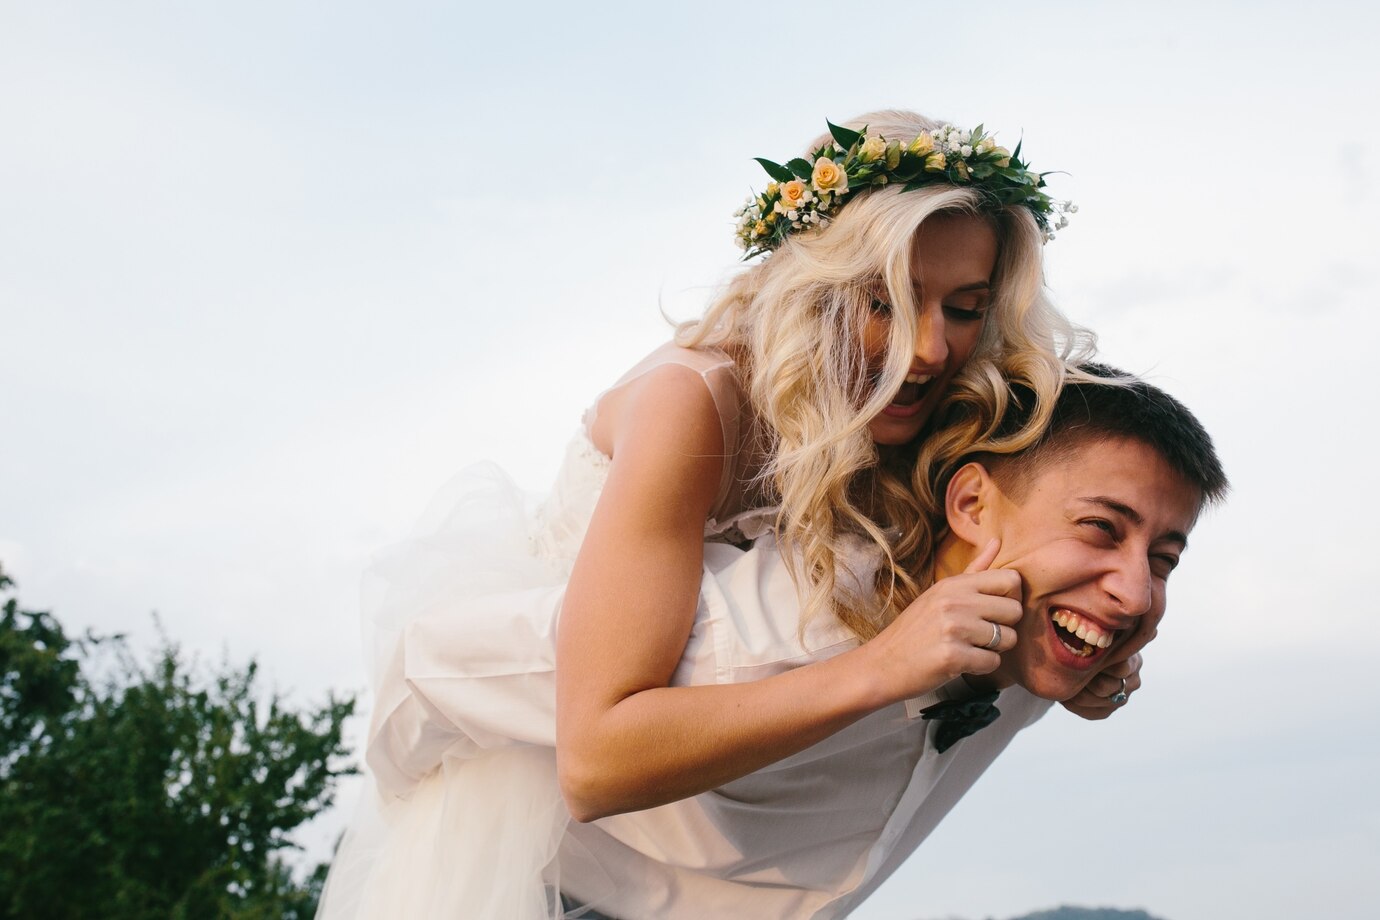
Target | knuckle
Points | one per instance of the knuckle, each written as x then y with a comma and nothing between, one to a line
951,659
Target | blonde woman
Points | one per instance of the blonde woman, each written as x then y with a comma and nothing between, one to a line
905,263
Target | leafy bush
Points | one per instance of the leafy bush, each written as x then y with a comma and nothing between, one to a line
134,789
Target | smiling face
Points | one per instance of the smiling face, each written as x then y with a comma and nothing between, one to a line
951,268
1094,535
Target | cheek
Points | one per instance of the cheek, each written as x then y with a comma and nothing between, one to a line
963,341
876,336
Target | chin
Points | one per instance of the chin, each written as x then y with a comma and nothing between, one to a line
895,432
1050,682
1057,693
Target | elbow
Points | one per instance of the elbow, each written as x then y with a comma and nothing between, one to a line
584,786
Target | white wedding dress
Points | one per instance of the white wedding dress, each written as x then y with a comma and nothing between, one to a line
463,815
464,818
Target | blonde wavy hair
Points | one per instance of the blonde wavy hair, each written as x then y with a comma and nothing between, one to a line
793,323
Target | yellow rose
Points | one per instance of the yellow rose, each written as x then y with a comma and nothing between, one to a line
935,162
760,228
893,155
921,145
961,168
872,148
792,195
828,176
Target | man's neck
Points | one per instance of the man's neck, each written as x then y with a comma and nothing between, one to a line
952,557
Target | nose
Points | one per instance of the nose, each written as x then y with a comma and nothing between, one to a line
931,345
1130,584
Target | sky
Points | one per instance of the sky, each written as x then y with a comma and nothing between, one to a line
272,272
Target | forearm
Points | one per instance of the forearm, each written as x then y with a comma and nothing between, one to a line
668,743
647,743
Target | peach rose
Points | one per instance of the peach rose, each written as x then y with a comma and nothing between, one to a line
828,176
921,145
792,195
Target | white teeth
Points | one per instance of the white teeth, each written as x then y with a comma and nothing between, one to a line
1084,629
919,378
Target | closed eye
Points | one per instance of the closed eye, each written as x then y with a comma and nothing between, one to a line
965,314
1101,524
1163,563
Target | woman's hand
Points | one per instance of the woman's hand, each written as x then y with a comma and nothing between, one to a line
1099,698
960,625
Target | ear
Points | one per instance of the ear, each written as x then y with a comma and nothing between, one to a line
968,504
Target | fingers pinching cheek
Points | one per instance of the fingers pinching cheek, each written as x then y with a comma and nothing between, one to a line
985,662
1115,672
1103,686
1012,583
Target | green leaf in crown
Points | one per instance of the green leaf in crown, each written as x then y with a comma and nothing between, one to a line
805,194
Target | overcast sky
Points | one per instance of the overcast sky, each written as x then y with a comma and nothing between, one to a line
272,272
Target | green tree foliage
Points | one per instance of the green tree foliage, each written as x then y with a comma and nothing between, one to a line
136,790
1085,913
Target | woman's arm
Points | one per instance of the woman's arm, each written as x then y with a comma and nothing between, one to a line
627,741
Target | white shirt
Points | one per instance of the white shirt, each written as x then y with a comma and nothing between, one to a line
810,836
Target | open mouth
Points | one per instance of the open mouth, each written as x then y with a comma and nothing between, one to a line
911,394
1080,635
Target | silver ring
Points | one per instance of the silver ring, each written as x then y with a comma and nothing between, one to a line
996,638
1120,696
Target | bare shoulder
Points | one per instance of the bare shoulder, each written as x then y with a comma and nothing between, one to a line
667,409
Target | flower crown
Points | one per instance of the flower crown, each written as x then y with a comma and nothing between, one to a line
806,193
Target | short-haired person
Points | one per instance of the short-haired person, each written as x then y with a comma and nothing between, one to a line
1054,558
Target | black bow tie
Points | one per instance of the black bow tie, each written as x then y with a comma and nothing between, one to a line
960,718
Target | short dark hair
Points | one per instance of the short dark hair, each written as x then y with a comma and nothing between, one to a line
1121,407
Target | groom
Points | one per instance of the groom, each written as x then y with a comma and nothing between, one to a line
1092,517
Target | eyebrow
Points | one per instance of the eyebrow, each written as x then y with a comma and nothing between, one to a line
975,286
1132,515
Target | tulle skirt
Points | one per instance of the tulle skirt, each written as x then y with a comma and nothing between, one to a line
463,815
